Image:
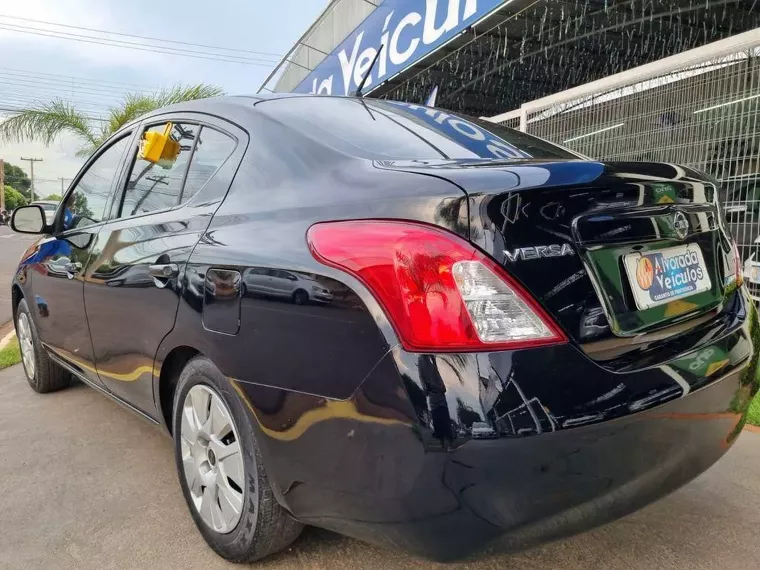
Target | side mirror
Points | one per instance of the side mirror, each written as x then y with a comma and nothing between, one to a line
28,220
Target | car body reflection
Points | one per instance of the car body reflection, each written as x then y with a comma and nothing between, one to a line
281,284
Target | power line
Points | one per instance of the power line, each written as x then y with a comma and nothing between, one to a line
75,83
42,98
15,82
11,107
152,49
124,43
12,97
82,79
278,55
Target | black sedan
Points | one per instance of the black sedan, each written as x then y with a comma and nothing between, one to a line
519,343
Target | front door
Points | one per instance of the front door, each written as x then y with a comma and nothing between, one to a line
133,282
60,261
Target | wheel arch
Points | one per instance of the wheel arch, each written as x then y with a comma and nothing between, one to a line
16,295
171,368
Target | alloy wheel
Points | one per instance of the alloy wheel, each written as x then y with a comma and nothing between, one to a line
26,343
212,459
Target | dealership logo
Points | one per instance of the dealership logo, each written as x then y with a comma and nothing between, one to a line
645,273
538,252
406,30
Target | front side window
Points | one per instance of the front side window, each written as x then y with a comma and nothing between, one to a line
154,186
86,204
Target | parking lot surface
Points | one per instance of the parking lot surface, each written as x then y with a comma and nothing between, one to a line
12,245
87,484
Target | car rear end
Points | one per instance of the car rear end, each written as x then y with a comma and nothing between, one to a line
590,348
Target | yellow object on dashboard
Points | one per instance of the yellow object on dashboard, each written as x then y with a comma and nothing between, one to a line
159,147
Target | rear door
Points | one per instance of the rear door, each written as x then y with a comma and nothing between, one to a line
133,282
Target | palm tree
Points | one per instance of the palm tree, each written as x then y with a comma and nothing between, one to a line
45,121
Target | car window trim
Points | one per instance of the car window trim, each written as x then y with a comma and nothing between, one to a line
186,118
118,137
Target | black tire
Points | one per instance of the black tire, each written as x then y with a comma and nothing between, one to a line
264,527
300,297
48,376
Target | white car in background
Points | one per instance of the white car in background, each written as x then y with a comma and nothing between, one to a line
49,207
284,284
741,204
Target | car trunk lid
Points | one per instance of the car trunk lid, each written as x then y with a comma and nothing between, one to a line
614,251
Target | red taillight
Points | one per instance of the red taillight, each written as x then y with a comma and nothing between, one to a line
439,292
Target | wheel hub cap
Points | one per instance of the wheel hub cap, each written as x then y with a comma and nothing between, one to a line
211,458
24,334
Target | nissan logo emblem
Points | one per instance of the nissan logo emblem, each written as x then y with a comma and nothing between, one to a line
680,225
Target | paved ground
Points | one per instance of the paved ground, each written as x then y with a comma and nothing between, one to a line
12,245
86,484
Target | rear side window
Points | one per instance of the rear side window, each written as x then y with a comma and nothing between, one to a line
159,186
395,130
211,151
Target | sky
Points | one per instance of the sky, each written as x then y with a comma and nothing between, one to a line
38,67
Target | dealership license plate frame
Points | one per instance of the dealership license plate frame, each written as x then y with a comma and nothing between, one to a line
640,295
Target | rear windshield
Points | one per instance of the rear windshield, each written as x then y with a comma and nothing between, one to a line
380,129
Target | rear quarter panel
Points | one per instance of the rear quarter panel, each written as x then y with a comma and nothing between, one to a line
285,184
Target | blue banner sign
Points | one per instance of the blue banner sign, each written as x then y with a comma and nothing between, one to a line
407,30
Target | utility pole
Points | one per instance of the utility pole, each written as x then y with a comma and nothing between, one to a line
31,167
63,189
2,185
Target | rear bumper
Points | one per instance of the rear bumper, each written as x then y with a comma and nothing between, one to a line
396,464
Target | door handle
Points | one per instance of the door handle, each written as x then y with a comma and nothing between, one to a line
72,268
164,270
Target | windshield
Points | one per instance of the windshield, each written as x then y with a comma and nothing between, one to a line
49,207
379,129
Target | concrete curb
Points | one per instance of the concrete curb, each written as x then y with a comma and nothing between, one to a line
7,338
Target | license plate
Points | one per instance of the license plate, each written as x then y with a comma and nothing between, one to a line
660,276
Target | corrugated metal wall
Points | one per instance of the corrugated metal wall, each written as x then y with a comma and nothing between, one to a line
339,19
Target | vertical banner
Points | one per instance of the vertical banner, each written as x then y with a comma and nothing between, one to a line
407,29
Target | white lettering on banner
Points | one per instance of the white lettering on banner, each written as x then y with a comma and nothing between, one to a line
384,46
470,7
347,65
411,19
430,33
362,66
325,88
436,22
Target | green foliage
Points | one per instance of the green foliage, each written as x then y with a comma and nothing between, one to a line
753,417
45,121
14,199
16,177
79,208
10,354
54,198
